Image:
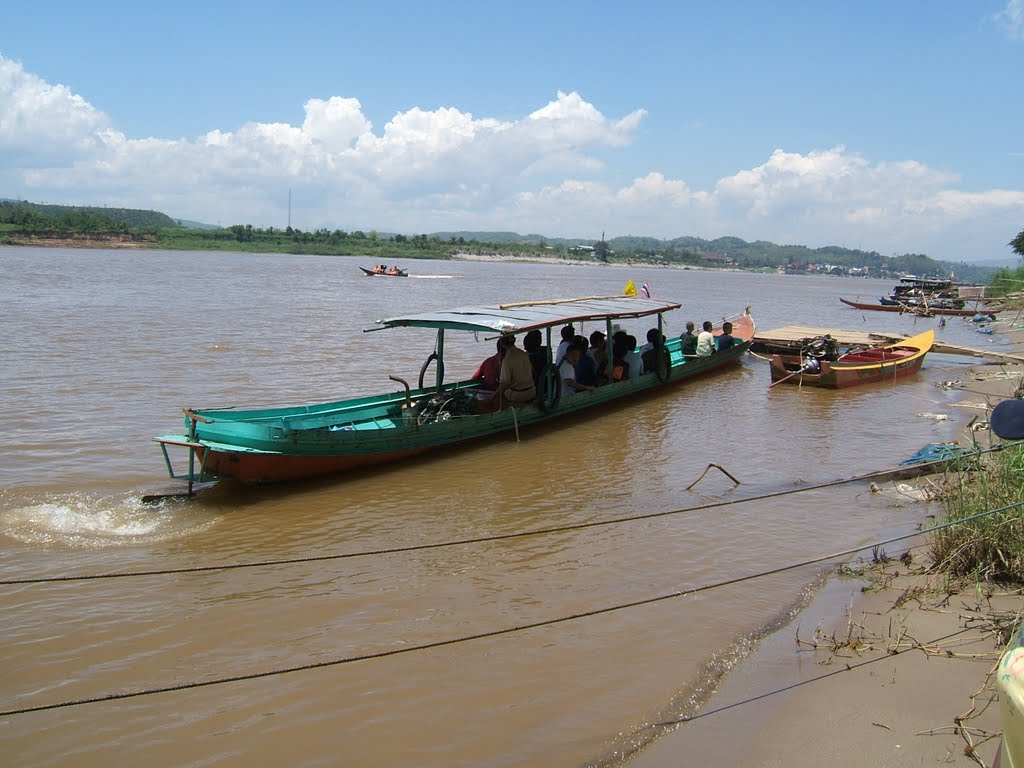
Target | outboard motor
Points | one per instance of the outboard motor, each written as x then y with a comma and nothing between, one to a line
821,348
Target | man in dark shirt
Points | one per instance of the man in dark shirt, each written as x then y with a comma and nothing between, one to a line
725,339
689,341
586,368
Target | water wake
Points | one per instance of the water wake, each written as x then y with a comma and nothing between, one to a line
83,520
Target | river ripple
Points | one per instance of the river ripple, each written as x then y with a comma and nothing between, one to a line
101,349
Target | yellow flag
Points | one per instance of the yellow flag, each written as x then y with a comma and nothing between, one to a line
630,289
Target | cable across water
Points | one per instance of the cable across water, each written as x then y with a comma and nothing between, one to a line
454,542
501,631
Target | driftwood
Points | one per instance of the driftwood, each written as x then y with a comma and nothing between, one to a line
720,469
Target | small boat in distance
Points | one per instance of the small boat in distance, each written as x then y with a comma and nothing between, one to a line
919,309
814,368
279,444
382,271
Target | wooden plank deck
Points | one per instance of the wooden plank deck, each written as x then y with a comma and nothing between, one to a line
793,334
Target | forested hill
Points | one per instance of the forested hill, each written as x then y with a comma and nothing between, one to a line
21,212
737,253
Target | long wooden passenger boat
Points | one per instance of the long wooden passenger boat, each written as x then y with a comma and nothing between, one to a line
278,444
918,309
864,366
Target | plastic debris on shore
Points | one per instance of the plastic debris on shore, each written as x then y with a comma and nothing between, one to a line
906,491
937,452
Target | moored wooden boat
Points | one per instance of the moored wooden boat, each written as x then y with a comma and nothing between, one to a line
874,364
278,444
918,309
386,272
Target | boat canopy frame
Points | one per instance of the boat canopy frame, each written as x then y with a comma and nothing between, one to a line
505,319
530,315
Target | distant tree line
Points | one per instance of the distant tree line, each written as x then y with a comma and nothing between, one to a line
18,218
36,217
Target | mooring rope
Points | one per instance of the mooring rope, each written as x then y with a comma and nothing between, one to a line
502,631
456,542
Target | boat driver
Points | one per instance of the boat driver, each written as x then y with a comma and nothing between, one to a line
515,382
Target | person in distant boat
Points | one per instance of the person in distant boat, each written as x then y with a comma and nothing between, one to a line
515,382
489,370
586,371
706,341
633,359
567,371
725,339
380,269
568,334
689,341
394,271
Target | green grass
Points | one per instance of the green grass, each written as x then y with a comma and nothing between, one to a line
992,547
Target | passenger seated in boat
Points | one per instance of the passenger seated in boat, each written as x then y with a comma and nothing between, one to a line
706,341
515,382
652,338
725,339
598,348
633,359
568,334
394,271
538,355
380,269
489,371
586,370
567,371
689,341
620,368
650,357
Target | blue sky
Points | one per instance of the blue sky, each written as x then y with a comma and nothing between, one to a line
895,127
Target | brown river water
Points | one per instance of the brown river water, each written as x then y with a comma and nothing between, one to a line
100,351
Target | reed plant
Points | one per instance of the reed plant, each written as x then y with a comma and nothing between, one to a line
990,548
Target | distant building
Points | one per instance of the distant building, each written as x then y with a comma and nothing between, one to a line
725,261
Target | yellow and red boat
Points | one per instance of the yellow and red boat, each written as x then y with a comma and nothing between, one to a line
865,366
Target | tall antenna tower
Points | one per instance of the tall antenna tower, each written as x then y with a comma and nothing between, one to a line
289,207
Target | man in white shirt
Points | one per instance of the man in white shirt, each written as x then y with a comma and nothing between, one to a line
705,341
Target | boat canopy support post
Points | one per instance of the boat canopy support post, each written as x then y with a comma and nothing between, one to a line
439,351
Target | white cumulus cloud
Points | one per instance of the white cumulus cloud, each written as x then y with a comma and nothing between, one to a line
427,170
1012,18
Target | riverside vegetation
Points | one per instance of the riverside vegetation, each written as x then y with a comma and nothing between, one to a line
991,548
24,223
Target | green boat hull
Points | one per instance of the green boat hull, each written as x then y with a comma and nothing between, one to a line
281,444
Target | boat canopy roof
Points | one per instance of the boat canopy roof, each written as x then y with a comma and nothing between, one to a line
525,316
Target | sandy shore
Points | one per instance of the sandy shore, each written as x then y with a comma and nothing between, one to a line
898,675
